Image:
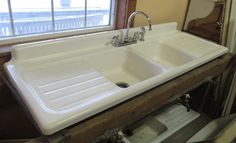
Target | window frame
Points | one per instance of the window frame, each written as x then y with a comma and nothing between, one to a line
124,9
17,39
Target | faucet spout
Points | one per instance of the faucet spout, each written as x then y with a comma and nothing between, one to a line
130,19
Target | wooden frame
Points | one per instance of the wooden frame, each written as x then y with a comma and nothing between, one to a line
124,9
186,14
225,28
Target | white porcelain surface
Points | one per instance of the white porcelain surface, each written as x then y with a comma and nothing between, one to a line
123,66
67,80
165,55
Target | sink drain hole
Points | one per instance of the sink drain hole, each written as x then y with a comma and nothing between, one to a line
122,84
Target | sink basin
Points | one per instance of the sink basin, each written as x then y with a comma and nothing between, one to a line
120,65
164,54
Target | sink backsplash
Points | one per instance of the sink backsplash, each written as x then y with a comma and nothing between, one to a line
78,44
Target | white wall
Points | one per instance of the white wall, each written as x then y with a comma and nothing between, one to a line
162,11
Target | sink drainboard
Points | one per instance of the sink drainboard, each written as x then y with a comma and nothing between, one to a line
160,127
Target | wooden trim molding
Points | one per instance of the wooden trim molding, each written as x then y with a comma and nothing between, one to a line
226,20
186,14
124,9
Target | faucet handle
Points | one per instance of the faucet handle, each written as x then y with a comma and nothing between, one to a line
142,30
136,35
115,40
141,33
121,36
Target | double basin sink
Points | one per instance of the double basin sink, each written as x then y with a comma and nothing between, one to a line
129,65
64,81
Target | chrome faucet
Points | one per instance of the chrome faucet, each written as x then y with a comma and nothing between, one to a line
130,19
118,40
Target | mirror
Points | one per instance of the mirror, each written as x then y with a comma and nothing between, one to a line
204,18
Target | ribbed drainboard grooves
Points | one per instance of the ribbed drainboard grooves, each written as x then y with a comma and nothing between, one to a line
195,45
60,92
174,118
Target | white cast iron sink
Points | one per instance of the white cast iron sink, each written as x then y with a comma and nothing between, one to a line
163,54
64,81
120,65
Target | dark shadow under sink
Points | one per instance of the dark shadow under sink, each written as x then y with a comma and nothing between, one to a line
145,131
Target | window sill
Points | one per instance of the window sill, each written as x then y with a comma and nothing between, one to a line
9,41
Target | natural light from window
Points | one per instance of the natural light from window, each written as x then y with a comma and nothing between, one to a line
26,17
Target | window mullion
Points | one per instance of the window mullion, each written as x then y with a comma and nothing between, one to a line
111,12
53,15
85,14
11,17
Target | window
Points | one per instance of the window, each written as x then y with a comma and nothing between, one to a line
28,17
31,16
72,11
5,25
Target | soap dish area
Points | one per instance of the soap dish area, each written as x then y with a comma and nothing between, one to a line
158,128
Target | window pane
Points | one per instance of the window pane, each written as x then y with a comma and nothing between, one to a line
98,12
69,14
5,26
31,16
